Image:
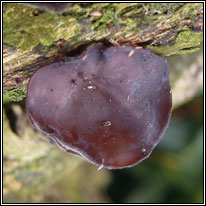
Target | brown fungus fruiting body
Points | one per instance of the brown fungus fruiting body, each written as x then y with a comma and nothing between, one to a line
55,7
109,105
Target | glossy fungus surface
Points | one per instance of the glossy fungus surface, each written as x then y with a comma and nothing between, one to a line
109,105
56,7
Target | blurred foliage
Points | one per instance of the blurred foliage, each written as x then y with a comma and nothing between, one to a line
186,77
172,174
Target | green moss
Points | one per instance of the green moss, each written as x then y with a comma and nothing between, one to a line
5,99
15,94
24,30
186,42
108,16
118,20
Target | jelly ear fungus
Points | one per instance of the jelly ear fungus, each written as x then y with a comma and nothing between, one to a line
109,105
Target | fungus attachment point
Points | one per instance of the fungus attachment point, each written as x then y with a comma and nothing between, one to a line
109,108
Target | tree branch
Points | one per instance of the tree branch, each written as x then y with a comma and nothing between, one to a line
33,38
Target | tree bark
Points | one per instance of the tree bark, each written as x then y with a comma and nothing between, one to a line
33,37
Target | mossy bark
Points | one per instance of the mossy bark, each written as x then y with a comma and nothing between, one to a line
32,39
